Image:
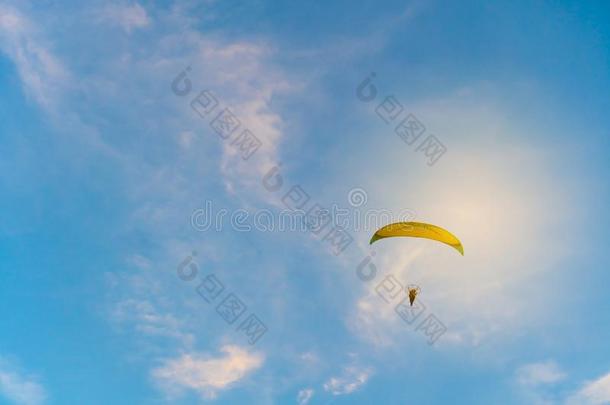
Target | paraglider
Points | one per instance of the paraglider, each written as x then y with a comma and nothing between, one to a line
413,291
418,230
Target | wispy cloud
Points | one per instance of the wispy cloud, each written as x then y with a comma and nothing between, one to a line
537,383
540,373
128,17
146,319
595,392
304,396
207,375
18,387
42,73
351,379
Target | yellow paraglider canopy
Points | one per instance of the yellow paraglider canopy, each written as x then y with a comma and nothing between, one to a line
418,230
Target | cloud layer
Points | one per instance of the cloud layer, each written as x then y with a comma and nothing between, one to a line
207,375
18,387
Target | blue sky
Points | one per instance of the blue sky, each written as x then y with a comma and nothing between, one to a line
105,171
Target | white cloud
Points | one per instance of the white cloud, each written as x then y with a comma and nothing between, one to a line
351,379
139,261
45,78
310,358
304,396
18,387
146,319
240,73
539,373
207,375
242,77
536,382
41,72
185,139
596,392
127,17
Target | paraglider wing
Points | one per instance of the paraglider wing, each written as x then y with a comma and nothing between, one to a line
418,230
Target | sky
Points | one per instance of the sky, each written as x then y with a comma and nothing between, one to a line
149,151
